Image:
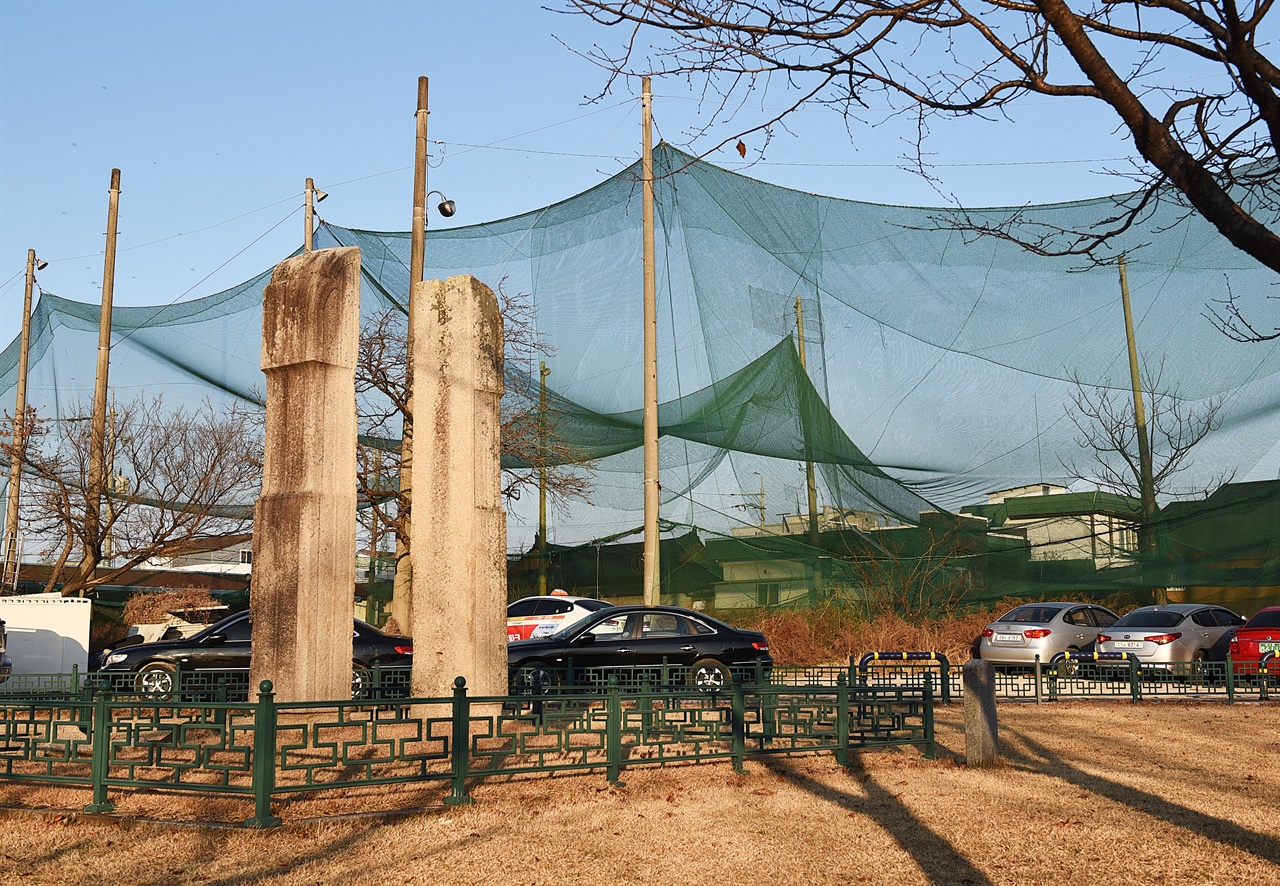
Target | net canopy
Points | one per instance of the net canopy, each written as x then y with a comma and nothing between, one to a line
938,367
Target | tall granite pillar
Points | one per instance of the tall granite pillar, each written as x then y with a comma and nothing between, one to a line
304,548
459,545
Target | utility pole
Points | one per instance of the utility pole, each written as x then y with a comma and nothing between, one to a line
97,454
11,553
1146,482
543,372
810,482
652,571
312,198
402,590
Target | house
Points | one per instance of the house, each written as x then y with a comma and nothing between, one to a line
1059,524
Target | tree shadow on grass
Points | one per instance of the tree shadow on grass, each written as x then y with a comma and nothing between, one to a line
1219,830
937,859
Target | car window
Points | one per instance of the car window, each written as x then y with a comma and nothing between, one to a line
1205,618
1035,615
614,628
1227,619
560,607
241,630
1265,620
1078,617
594,605
1102,618
665,624
521,608
1149,618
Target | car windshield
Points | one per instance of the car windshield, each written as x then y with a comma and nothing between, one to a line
1265,620
1150,618
1031,615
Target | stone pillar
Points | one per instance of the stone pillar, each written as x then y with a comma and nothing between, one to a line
304,547
981,732
459,543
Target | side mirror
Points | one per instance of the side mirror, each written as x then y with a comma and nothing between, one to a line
583,639
216,639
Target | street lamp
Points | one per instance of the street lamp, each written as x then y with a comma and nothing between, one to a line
447,207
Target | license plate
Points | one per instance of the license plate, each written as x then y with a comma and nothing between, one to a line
1127,644
1008,638
1269,647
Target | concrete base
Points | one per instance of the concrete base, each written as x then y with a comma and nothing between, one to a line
981,731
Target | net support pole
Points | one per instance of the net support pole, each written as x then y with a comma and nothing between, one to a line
652,574
98,431
1146,482
11,556
309,217
402,589
543,372
810,481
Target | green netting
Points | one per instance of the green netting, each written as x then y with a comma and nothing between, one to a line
939,367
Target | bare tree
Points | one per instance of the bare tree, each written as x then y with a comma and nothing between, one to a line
531,439
1209,139
1108,436
176,477
914,574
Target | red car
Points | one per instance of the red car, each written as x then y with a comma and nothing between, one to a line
1258,636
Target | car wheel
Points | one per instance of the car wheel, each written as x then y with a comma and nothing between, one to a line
536,676
1071,667
1197,663
155,679
709,675
361,681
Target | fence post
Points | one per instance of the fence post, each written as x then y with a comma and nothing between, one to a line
929,750
738,723
1135,681
646,708
220,713
75,678
842,720
100,735
666,674
946,679
460,756
264,758
1264,675
568,672
1231,681
613,733
1039,691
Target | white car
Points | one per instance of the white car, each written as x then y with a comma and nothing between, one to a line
536,617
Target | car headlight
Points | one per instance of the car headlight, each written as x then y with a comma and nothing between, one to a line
116,658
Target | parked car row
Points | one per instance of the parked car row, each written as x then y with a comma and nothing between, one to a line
600,635
1160,637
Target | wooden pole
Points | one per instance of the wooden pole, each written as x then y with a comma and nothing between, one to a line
97,446
11,555
810,481
309,216
652,573
542,478
402,592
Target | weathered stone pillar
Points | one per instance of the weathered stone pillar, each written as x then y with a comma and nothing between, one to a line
459,545
304,547
981,732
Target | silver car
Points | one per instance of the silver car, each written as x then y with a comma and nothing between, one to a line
1042,629
1163,635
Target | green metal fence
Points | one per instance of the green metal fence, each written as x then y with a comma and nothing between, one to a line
104,739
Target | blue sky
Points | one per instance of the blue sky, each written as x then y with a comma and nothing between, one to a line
216,113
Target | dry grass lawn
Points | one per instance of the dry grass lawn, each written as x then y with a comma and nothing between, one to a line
1161,792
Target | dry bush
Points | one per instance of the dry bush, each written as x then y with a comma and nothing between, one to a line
831,634
153,607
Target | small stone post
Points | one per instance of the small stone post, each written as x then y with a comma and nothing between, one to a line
981,732
304,522
459,546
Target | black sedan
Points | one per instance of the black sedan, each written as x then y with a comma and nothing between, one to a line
639,639
226,646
